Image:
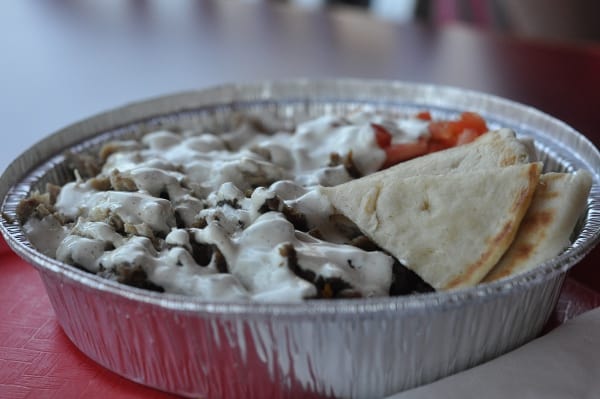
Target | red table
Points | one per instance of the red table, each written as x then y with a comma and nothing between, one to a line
81,62
37,360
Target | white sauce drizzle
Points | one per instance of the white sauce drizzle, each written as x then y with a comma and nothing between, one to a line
200,180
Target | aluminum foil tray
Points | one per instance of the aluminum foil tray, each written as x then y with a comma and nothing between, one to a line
358,348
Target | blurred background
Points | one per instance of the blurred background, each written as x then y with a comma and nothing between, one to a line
64,60
544,19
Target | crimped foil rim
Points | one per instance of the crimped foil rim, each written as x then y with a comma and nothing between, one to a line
366,307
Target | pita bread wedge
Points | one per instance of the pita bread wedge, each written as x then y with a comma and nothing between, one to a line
497,148
559,200
449,229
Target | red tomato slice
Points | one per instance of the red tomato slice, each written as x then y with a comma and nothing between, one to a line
444,131
396,153
442,135
424,115
435,145
474,121
441,130
466,136
382,136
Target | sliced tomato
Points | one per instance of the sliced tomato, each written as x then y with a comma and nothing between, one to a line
424,115
474,121
466,136
435,145
396,153
444,132
382,136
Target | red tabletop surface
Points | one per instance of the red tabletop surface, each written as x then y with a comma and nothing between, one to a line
37,360
68,60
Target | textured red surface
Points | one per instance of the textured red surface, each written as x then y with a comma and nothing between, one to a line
37,360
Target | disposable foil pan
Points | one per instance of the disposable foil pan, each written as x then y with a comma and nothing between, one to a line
354,348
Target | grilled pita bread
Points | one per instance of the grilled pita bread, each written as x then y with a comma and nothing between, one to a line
559,200
449,229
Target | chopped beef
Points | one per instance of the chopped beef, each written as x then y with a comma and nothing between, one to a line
351,167
204,254
101,183
36,205
220,261
121,183
53,191
316,233
345,226
288,251
331,287
132,275
116,146
141,229
335,159
334,287
233,203
179,222
406,282
116,223
365,243
199,223
86,165
298,219
271,204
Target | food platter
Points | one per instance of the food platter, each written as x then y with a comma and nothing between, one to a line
342,348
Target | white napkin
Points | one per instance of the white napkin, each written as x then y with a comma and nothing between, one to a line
564,363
